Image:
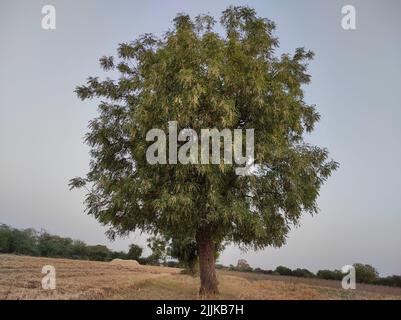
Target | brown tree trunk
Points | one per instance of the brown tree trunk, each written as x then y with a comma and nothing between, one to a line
206,252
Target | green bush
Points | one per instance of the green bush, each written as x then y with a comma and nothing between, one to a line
119,255
79,250
267,271
23,242
54,246
302,273
99,253
283,271
33,243
391,281
330,274
5,237
365,273
134,252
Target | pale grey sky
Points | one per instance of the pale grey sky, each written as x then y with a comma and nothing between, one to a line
356,82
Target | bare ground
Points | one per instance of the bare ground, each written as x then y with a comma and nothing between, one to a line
20,278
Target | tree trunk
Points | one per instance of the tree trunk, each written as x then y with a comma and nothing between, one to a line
206,251
193,266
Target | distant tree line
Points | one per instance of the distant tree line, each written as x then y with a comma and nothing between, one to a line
364,273
42,244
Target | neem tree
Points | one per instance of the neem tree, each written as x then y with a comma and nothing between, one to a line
202,79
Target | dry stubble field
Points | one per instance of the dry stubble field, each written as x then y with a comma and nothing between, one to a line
20,278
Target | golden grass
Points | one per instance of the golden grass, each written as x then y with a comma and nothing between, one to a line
20,278
184,287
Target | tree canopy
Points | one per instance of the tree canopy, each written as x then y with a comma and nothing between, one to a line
204,79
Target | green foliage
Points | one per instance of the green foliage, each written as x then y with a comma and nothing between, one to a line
98,253
330,275
119,255
186,251
134,252
365,273
242,265
23,242
183,249
302,273
31,242
18,241
391,281
203,79
159,247
267,271
5,236
283,271
54,246
78,250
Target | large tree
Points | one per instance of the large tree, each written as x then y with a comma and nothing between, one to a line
134,252
204,79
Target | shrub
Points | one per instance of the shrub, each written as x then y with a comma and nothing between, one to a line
119,255
23,242
99,253
134,252
267,272
5,237
243,265
232,268
391,281
330,274
55,246
33,243
365,273
283,271
302,273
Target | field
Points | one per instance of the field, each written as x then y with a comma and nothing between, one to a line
20,278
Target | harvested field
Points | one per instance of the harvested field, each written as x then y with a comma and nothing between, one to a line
360,287
126,263
20,278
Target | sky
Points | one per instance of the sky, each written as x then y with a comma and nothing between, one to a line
356,86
